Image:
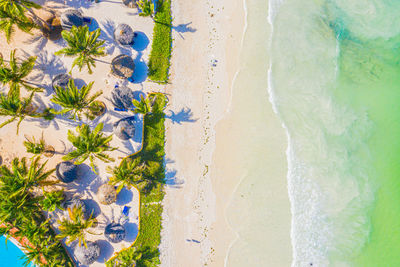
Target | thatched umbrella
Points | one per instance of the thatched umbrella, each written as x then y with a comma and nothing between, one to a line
74,203
129,3
125,128
52,27
71,17
124,34
122,97
122,66
107,194
66,171
115,232
61,80
89,254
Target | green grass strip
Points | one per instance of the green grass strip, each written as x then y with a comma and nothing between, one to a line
160,55
144,251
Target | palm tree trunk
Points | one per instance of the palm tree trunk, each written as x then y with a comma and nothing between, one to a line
36,17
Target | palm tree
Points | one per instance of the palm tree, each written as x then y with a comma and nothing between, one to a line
18,6
38,147
14,73
17,204
35,147
76,227
143,106
33,231
89,144
16,210
147,8
52,200
8,20
82,44
144,256
128,173
21,178
41,253
13,106
75,101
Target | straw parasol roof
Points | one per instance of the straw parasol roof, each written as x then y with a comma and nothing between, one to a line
87,255
74,203
122,97
129,3
125,128
107,194
71,17
66,171
115,232
124,34
61,80
122,66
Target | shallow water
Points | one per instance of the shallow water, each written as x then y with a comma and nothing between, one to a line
336,86
259,210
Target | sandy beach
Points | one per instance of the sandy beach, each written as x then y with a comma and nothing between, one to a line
224,121
226,193
55,132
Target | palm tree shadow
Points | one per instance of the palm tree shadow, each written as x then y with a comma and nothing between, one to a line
107,34
73,3
183,28
48,66
171,180
184,115
180,29
38,41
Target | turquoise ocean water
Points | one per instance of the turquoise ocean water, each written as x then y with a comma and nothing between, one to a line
335,83
10,254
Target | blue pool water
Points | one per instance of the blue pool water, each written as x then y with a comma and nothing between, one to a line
10,254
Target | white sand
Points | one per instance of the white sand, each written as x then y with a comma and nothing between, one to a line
202,226
107,14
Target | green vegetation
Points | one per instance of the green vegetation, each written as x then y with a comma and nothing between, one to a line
17,108
145,250
35,147
52,200
89,145
76,101
160,55
13,74
143,106
129,173
13,13
21,214
147,8
8,21
76,226
21,206
18,6
83,45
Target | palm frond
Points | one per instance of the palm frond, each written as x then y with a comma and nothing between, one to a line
83,45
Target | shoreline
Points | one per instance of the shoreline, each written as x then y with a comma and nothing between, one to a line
250,161
198,227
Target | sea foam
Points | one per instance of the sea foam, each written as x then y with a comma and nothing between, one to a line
328,157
